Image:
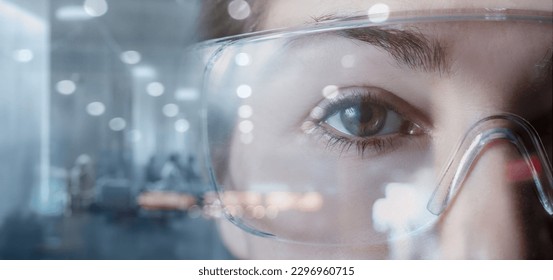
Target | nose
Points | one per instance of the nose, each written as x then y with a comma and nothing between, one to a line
496,213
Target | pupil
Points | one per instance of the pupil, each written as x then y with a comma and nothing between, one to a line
363,120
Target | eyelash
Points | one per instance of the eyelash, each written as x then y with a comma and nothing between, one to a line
343,144
376,145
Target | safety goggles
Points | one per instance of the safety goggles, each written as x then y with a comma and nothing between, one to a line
364,130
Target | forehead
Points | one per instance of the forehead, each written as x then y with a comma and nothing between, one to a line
287,13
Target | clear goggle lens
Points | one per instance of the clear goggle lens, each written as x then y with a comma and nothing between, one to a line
359,133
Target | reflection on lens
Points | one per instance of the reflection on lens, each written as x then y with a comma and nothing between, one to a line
281,200
317,113
216,211
258,212
246,138
348,61
239,9
308,127
404,206
245,111
330,91
235,210
244,91
246,126
379,12
242,59
271,212
252,198
311,202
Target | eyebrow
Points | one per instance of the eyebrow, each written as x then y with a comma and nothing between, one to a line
407,47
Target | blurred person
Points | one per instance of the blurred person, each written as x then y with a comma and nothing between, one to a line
172,173
152,173
82,183
389,129
191,174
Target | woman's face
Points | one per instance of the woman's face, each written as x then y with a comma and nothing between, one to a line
342,137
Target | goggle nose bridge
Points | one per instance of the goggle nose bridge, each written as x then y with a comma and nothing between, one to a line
507,127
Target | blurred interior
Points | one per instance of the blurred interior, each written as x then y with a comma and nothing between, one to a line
98,113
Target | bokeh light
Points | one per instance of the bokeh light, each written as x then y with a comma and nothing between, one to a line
244,91
348,61
95,8
258,212
170,110
182,125
245,126
308,127
66,87
155,89
242,59
330,91
23,55
379,12
95,108
117,124
317,113
245,111
131,57
239,9
186,94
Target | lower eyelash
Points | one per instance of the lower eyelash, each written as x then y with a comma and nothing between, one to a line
374,146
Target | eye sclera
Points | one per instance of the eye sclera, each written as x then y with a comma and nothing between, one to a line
413,122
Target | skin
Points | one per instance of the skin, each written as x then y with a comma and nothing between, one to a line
491,217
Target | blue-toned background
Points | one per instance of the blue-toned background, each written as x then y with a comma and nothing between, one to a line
99,117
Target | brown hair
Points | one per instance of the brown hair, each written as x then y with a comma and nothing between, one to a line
215,21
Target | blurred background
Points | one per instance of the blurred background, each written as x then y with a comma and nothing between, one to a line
99,113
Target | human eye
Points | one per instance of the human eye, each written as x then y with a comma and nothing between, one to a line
370,120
